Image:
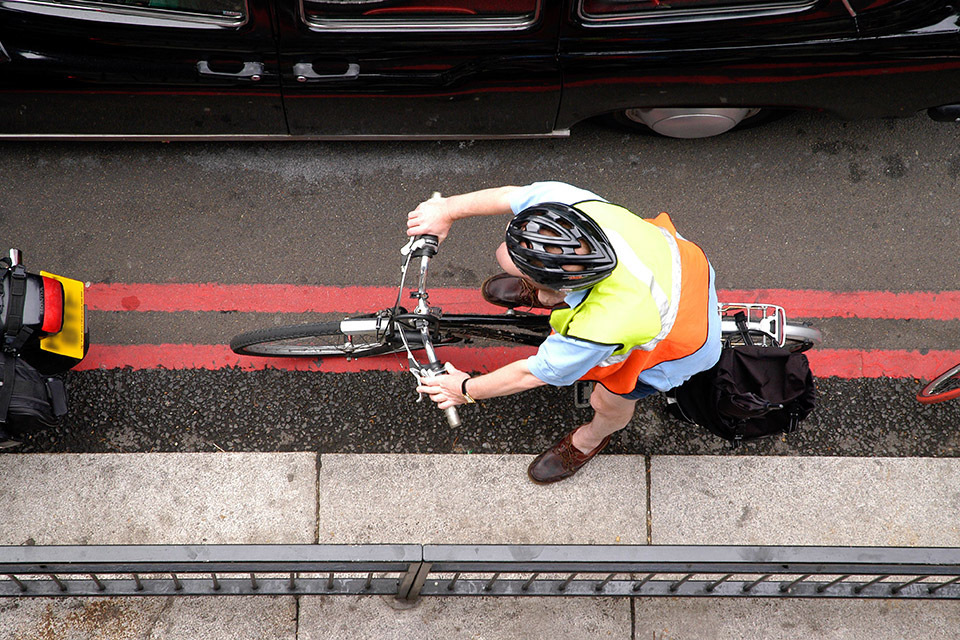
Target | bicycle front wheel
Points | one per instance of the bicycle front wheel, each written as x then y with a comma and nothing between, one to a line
946,386
350,338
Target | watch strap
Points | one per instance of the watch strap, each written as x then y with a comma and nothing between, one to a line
463,392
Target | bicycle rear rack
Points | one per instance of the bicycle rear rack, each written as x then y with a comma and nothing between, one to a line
766,321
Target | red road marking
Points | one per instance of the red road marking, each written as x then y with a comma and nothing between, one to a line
266,298
286,298
916,305
841,363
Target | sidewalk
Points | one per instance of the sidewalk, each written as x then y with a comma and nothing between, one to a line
370,498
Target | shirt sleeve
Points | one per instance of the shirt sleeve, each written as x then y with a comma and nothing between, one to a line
549,192
561,361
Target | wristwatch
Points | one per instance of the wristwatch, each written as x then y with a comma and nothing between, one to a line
463,392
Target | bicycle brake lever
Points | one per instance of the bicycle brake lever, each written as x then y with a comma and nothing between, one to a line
418,374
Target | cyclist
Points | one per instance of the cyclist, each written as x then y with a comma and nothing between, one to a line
633,306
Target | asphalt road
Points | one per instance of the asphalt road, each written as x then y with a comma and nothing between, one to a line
807,202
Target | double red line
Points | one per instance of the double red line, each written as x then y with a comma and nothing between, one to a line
282,298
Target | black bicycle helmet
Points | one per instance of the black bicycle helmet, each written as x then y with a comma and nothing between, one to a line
543,239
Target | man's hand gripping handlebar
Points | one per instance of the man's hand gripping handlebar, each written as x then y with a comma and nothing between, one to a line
423,247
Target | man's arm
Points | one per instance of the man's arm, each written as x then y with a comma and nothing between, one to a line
508,379
436,215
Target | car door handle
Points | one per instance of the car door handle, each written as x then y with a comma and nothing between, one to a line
304,72
250,71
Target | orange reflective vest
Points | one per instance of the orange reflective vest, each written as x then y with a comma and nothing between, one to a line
654,307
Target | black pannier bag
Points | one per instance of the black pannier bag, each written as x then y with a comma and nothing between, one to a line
753,391
29,400
34,308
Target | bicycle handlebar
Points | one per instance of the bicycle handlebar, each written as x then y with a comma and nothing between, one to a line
425,247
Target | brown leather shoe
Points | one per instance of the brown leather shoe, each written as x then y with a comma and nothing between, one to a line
561,461
509,291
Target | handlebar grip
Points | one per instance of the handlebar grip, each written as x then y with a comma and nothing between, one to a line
453,418
429,247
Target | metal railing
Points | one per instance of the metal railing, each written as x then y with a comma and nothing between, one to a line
410,571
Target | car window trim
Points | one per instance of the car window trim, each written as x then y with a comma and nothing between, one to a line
674,16
121,14
478,24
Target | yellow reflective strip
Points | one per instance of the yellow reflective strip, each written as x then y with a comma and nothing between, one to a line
69,340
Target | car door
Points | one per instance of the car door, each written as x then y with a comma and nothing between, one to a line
138,68
627,55
431,68
911,56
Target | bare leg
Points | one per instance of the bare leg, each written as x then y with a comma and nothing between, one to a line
612,413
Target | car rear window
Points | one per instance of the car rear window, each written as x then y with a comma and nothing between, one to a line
361,13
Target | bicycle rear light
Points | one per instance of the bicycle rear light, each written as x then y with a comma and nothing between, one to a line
43,303
52,306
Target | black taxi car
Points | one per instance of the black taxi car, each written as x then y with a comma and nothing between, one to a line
330,69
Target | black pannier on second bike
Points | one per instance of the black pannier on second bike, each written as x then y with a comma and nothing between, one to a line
753,391
42,334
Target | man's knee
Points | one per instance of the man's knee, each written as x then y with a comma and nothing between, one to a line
608,403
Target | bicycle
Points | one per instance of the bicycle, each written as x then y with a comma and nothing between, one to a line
395,330
944,387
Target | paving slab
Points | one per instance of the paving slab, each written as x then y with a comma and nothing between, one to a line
466,618
711,618
253,618
158,498
801,501
805,501
155,499
487,499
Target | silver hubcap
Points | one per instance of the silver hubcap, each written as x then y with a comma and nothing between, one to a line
690,122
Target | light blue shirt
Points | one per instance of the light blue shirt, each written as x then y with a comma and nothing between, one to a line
561,361
540,192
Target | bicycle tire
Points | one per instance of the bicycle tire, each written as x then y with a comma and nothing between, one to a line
800,337
314,340
944,387
797,337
